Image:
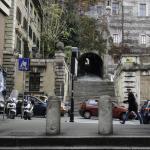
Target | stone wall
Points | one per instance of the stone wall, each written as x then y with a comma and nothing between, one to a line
2,28
145,87
51,77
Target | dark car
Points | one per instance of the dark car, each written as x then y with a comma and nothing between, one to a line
145,112
89,108
39,108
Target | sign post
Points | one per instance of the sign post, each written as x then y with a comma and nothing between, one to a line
23,65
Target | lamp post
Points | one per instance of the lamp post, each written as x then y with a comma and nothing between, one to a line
73,73
72,99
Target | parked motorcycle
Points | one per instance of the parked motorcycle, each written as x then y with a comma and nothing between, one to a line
11,109
28,110
11,104
2,107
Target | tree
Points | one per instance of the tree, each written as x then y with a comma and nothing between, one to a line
71,37
53,26
90,38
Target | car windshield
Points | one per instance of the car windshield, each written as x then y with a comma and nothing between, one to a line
92,102
35,99
145,104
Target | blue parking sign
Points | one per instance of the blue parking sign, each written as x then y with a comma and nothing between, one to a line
24,64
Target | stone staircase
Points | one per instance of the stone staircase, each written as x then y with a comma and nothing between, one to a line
61,142
86,89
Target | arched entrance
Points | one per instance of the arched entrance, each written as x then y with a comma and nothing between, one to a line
90,64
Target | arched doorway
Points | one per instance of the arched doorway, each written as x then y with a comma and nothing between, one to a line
90,64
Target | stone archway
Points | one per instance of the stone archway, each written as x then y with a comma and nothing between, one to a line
90,64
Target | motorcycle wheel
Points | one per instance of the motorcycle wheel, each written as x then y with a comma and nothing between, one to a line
12,115
25,116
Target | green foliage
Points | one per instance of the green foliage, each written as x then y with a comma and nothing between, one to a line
64,23
68,54
53,26
72,22
90,38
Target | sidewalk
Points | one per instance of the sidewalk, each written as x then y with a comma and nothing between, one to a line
82,134
36,127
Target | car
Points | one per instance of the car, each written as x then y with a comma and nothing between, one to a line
89,108
43,98
40,106
63,109
145,112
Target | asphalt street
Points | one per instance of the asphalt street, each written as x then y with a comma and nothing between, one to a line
80,127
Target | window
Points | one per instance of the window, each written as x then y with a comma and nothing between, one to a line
38,43
34,38
115,8
108,3
143,39
31,8
116,38
142,10
18,44
25,24
34,82
26,3
100,10
35,15
30,32
39,25
18,15
26,52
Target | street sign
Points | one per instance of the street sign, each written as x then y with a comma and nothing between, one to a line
24,64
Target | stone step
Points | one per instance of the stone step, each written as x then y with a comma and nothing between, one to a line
73,142
76,148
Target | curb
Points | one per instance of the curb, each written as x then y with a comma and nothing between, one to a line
126,141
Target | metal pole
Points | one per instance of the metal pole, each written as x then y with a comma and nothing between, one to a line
122,22
22,111
72,100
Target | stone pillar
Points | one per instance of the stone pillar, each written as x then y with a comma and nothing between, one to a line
53,116
105,125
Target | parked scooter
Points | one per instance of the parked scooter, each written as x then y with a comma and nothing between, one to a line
2,106
28,110
11,108
11,104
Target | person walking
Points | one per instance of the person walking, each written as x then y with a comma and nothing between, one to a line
133,106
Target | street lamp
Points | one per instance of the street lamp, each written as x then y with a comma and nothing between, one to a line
74,57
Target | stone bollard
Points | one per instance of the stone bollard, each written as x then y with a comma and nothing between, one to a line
53,116
105,125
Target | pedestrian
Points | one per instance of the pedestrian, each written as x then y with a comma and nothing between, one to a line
133,106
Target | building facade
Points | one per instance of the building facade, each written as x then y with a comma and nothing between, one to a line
4,12
22,40
129,27
128,22
22,35
133,72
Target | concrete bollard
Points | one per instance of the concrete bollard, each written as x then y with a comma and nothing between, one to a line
53,116
105,125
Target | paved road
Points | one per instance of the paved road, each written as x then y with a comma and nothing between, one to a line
95,120
81,127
